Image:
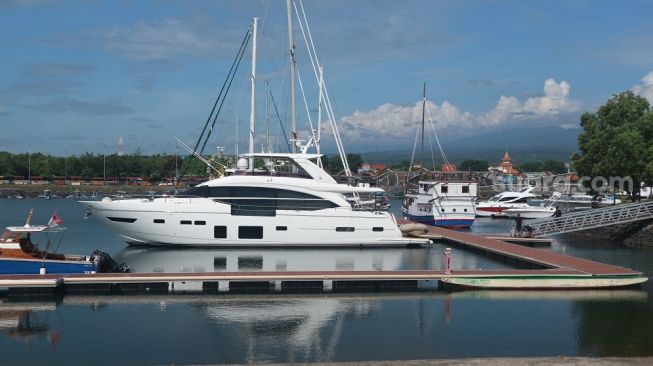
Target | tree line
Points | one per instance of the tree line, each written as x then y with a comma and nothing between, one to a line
156,167
153,167
90,165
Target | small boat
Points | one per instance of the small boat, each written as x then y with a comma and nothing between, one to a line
496,205
530,212
19,255
572,202
47,194
608,200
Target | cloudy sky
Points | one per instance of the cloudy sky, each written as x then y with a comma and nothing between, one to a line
76,76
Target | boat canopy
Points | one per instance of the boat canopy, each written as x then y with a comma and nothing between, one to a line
34,229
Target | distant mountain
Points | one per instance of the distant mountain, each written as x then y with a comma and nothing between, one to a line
523,145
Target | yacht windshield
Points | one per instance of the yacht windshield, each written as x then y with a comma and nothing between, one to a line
276,166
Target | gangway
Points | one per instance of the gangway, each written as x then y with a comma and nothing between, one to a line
590,219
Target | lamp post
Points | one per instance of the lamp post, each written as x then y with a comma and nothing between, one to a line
29,164
104,164
65,166
176,169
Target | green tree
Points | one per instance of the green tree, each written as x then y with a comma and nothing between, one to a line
531,166
354,161
335,164
555,166
474,165
616,141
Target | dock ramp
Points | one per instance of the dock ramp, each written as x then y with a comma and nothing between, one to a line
590,219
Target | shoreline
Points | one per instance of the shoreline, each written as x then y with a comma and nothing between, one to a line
498,361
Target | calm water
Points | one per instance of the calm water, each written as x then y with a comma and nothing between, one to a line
189,328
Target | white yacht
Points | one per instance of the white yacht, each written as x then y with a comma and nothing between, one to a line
291,203
446,204
530,212
505,200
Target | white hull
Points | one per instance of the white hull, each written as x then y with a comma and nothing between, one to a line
286,228
531,212
496,205
545,283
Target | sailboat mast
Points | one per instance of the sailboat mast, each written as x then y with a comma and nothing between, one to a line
423,116
319,115
267,117
293,71
252,112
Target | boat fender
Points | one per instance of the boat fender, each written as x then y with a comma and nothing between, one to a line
413,229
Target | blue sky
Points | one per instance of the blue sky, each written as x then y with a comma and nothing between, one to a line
75,76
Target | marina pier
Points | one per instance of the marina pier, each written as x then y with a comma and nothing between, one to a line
535,269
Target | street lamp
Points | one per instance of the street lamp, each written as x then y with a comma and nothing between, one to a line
104,163
29,164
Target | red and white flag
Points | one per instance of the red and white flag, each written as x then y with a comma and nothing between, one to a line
54,220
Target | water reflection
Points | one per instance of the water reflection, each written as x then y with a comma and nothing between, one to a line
27,323
331,327
146,259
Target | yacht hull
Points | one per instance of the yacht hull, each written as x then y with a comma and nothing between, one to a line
442,222
203,222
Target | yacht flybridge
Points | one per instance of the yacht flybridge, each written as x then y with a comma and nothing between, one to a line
288,201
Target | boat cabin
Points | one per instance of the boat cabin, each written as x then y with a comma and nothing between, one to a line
448,189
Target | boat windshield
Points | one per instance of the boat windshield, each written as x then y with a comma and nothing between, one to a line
494,199
276,166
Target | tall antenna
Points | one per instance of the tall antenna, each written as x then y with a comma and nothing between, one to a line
121,147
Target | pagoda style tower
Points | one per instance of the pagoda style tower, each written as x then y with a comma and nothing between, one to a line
506,165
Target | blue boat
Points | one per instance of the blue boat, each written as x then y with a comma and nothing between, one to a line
19,255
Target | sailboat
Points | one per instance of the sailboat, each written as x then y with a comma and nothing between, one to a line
440,203
288,201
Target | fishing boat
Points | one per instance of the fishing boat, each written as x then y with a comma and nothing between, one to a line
446,204
496,205
439,202
19,255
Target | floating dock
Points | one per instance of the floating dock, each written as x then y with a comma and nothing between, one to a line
538,269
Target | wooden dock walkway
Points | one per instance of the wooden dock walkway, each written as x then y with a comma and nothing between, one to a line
542,257
553,271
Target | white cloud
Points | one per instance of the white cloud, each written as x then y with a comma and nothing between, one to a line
160,40
646,88
554,102
391,122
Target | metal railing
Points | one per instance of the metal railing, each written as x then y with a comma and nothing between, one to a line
591,219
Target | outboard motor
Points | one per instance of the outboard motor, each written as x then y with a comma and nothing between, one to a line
106,264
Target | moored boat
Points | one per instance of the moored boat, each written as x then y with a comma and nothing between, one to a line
446,204
293,203
530,212
495,206
19,255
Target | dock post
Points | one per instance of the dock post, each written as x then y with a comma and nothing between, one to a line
447,261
